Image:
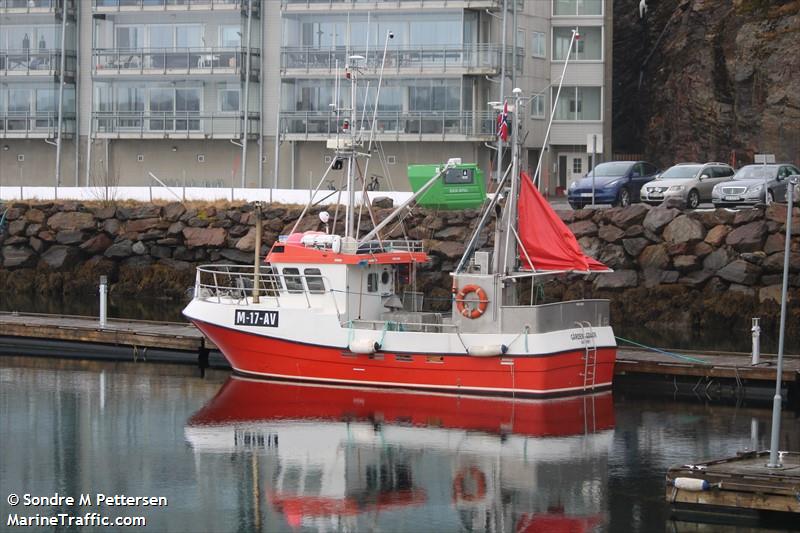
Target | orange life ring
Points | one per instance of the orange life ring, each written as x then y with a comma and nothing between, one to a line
479,481
483,302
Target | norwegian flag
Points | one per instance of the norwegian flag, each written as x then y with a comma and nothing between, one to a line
502,123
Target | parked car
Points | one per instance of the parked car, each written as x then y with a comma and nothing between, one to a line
754,184
616,182
691,183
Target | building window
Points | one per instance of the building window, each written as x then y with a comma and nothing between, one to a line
521,40
229,99
589,47
573,8
578,103
537,106
577,165
538,44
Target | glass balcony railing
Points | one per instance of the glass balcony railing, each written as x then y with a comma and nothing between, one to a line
478,57
174,124
398,124
34,6
199,5
377,4
39,125
31,62
175,61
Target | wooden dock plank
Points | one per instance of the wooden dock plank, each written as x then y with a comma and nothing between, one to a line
725,366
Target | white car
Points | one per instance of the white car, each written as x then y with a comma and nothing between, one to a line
691,183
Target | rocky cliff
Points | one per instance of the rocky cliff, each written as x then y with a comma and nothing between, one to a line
701,80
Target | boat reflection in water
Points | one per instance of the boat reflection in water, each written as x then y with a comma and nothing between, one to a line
372,458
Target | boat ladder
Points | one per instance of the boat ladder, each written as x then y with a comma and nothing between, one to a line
589,355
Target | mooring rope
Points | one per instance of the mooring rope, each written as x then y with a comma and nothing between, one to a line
664,352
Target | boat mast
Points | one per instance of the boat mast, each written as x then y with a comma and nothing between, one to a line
350,148
510,211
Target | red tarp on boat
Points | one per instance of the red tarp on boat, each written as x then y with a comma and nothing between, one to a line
547,240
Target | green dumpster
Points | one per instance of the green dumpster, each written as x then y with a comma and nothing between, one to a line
460,187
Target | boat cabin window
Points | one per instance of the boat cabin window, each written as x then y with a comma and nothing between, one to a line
372,282
458,176
314,280
291,277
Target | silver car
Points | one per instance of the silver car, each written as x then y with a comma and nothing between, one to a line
755,184
690,183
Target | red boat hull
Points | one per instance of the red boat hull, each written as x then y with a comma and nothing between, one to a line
539,375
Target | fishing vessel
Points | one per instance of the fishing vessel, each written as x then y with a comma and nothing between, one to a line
333,308
326,457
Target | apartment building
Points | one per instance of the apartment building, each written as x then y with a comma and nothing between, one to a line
241,92
38,73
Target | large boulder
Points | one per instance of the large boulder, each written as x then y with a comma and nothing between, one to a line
684,229
741,272
745,216
658,217
749,237
583,228
141,224
613,255
138,212
610,233
120,250
204,237
774,262
631,215
18,256
97,244
716,235
70,237
635,246
73,220
60,257
237,256
174,211
717,259
35,216
654,257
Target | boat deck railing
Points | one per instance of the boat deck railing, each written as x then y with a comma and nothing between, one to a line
233,284
377,246
395,325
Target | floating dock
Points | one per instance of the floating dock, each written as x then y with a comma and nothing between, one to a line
703,374
741,484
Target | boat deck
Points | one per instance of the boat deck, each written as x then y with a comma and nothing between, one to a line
741,483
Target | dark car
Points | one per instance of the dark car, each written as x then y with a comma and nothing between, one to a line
615,182
754,184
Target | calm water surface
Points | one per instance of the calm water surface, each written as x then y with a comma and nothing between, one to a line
239,455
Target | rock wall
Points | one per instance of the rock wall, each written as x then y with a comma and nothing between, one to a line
673,269
707,80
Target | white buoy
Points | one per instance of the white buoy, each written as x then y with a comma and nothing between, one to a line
364,346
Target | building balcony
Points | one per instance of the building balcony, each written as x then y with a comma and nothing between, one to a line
173,125
395,125
204,61
405,60
35,63
112,6
33,7
43,125
389,5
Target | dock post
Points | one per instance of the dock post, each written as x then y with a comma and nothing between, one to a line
756,330
103,302
774,459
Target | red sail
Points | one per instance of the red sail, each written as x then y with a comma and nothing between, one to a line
547,240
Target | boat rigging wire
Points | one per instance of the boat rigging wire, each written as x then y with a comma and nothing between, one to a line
664,352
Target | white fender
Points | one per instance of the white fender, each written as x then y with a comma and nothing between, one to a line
691,484
365,346
487,350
